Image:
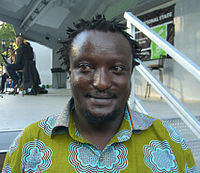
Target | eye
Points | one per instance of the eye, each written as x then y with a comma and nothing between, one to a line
84,67
118,69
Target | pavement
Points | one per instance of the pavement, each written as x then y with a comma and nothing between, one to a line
17,112
158,108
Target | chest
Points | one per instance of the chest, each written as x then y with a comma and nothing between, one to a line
72,156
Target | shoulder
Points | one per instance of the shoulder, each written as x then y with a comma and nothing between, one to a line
19,49
161,140
157,128
162,131
22,47
33,136
40,130
173,135
43,126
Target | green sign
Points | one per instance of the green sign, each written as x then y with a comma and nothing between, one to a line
156,50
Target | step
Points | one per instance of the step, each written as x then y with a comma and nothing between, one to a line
180,126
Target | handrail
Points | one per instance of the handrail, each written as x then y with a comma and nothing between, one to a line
3,151
165,45
8,131
140,106
185,115
11,130
134,101
189,119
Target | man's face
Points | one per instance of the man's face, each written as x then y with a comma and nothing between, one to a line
100,74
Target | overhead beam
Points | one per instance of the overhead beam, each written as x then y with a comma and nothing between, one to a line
8,19
32,16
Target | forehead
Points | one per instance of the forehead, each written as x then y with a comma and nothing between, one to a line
99,42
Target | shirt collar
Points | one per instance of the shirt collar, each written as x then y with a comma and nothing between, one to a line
62,121
138,121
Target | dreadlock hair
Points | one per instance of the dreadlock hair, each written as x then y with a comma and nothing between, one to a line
98,23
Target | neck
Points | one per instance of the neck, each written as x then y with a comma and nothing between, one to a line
98,134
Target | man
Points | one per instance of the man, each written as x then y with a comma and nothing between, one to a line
23,53
31,75
9,60
98,132
3,81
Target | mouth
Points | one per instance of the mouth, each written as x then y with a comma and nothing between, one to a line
101,95
101,99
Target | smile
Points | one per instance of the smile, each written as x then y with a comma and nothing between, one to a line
101,101
101,97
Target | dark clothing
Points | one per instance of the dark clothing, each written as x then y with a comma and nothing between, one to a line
3,81
24,52
31,76
12,68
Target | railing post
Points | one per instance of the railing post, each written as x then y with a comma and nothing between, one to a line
134,101
132,94
131,31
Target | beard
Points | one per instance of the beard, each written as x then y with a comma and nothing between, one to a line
102,120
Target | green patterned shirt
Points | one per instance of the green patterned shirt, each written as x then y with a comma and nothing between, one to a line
142,145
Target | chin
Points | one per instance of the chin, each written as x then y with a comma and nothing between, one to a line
103,118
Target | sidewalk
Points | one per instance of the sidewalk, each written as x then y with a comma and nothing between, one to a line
17,112
158,108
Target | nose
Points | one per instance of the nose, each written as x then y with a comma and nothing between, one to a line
101,80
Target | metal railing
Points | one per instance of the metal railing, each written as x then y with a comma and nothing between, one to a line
189,119
7,131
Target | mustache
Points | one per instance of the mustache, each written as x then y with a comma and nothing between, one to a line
101,94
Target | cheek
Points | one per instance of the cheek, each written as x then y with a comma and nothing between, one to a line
123,83
124,86
78,82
